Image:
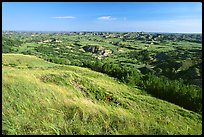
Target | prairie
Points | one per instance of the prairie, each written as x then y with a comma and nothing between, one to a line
40,97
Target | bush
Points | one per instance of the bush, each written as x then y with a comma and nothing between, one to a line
187,96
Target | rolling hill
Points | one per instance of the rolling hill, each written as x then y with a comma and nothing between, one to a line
39,97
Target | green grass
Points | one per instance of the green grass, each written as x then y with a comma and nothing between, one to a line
47,98
25,61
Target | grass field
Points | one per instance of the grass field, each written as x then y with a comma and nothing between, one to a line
40,97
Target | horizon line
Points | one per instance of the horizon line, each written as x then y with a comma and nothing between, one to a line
99,31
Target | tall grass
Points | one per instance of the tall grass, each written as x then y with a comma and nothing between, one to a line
72,100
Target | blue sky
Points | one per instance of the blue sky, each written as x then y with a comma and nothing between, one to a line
183,17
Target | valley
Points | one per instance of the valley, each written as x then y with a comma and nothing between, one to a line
101,83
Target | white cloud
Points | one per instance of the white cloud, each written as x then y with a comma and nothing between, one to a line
106,18
65,17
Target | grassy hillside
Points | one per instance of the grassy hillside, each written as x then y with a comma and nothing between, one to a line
45,98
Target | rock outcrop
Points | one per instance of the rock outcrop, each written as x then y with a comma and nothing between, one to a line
98,50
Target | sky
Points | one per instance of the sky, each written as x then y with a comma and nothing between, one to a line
173,17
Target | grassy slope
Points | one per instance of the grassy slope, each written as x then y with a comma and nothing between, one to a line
44,98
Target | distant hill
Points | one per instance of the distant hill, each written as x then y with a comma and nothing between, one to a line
40,97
